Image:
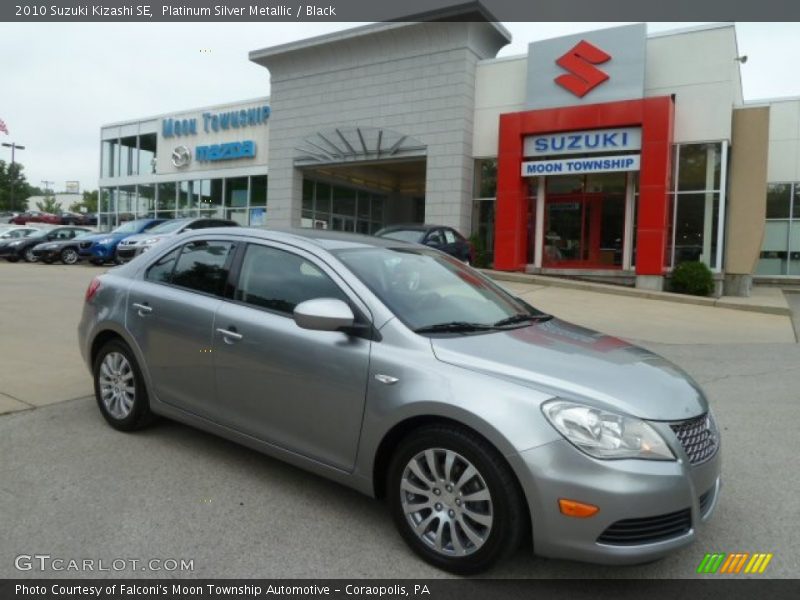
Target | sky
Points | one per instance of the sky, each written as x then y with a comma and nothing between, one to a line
59,82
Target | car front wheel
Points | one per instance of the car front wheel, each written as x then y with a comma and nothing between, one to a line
454,499
119,387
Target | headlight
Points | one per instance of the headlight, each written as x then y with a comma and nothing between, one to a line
149,241
604,434
105,241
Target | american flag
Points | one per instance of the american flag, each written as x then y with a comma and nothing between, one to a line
3,127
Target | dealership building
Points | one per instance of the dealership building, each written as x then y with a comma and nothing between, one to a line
612,155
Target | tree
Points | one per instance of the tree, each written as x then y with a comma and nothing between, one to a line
87,204
14,189
49,204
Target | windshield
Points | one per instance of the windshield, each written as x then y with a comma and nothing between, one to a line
413,236
425,288
168,227
129,227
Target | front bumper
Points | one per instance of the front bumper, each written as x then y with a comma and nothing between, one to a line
46,253
97,251
126,253
645,490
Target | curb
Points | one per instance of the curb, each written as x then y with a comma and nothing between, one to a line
617,290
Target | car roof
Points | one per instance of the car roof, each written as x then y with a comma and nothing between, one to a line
322,238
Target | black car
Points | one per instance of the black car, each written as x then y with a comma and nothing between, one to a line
23,248
64,250
440,237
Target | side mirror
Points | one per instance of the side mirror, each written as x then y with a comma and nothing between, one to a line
323,314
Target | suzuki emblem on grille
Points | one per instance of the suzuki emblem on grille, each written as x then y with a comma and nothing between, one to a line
583,76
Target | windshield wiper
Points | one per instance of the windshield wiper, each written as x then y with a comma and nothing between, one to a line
454,327
522,318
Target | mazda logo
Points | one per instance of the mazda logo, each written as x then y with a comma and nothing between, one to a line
181,156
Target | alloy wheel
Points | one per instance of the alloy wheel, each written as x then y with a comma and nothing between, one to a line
117,385
69,256
446,502
30,256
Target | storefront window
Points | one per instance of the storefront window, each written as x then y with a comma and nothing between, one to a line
146,206
698,189
341,208
187,199
485,185
236,192
780,252
147,154
128,156
126,203
258,190
167,200
210,197
110,158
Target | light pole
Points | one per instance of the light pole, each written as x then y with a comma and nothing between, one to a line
14,147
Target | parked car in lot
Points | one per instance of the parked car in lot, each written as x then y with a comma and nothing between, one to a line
101,247
134,245
35,216
401,372
11,232
446,239
22,248
64,250
72,218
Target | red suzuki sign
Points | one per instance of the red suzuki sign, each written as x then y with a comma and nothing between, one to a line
583,76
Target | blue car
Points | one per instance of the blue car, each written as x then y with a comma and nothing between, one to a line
101,248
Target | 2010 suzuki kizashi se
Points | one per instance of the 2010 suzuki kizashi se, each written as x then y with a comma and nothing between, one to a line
399,371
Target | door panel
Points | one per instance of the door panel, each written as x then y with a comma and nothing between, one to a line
299,389
174,332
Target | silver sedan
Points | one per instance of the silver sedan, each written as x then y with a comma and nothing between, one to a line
399,371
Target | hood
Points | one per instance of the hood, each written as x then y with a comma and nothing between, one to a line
577,363
101,236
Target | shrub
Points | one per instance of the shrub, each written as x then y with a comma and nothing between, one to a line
481,260
693,278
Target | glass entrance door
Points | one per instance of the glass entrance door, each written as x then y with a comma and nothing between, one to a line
584,221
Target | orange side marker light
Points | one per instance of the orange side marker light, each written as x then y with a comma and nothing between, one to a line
573,508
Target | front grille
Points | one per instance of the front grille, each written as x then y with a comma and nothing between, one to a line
697,438
705,501
631,532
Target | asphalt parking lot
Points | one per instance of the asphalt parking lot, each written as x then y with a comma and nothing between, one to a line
72,487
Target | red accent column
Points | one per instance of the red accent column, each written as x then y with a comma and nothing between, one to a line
653,210
654,115
511,214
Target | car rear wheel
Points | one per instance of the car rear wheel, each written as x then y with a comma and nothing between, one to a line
454,499
119,387
69,256
30,256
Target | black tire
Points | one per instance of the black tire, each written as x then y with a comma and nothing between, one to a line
69,256
508,511
29,256
139,414
12,259
97,262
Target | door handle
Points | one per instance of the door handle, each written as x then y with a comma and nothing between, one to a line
230,335
142,309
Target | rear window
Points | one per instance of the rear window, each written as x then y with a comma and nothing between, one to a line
201,266
413,236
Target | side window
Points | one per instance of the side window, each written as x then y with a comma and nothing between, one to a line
279,280
449,236
196,225
161,270
203,266
436,237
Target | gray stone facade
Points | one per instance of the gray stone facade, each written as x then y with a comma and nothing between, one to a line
416,79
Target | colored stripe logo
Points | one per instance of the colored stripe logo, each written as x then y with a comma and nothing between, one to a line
734,563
